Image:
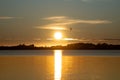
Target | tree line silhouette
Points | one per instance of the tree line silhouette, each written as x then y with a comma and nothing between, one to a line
74,46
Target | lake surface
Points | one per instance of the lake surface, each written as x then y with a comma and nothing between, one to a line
60,65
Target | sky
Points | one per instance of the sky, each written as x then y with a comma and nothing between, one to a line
36,21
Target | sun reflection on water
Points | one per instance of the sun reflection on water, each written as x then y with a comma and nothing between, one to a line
57,64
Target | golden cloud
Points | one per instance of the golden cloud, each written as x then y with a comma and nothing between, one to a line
52,28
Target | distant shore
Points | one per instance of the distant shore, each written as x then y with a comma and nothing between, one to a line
75,46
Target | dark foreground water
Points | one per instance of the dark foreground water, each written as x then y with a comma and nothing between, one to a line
60,65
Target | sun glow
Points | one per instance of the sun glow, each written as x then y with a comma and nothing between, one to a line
58,35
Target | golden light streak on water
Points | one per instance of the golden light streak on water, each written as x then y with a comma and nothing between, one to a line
57,64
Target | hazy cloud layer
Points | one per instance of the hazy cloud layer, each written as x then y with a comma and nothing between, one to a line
61,22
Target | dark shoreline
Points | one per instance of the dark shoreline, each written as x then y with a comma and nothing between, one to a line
75,46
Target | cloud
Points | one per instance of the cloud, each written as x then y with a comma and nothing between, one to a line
52,28
61,22
7,17
55,17
64,39
70,39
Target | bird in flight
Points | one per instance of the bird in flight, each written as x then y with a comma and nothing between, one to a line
70,29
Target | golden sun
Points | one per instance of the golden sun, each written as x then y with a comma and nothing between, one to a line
58,35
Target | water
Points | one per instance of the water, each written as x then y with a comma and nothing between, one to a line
60,65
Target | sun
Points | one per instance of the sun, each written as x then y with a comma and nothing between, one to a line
58,35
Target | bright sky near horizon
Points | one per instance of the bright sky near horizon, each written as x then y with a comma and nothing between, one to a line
36,21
